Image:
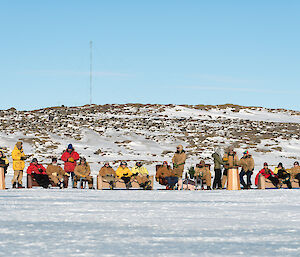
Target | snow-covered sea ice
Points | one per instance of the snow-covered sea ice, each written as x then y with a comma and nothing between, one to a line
38,222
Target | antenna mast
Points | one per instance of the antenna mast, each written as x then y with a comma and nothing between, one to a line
91,70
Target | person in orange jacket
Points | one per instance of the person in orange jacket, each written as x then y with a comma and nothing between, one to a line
295,172
83,171
70,158
55,173
231,160
166,176
247,164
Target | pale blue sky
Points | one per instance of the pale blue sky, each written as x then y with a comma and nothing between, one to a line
180,52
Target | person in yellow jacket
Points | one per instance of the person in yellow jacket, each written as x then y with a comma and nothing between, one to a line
83,171
19,158
141,175
124,173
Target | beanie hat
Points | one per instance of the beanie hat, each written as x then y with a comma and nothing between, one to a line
165,162
70,146
218,150
54,159
180,148
246,152
265,164
34,160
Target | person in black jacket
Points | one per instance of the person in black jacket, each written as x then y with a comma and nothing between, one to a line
218,163
284,175
3,162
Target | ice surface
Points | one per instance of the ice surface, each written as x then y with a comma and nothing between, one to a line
53,222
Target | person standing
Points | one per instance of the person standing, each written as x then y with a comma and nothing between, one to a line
178,161
19,158
218,162
247,164
70,158
231,161
4,163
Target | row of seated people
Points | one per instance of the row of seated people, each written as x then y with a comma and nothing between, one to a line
280,175
168,177
138,173
70,158
165,175
54,175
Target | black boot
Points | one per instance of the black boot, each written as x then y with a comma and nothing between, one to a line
20,185
208,188
148,187
244,185
289,184
128,185
14,185
60,185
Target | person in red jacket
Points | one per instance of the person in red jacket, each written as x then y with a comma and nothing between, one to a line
268,174
38,172
69,157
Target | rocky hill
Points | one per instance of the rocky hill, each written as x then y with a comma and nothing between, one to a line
151,132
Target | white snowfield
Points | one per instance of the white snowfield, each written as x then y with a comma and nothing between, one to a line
254,115
70,222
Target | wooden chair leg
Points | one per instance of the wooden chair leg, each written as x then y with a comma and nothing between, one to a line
29,181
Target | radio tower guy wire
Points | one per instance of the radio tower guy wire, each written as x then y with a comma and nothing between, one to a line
91,70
